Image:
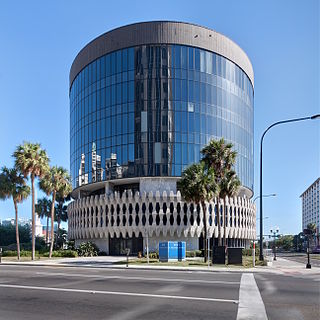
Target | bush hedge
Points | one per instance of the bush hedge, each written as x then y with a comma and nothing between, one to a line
13,253
193,254
153,255
248,252
62,254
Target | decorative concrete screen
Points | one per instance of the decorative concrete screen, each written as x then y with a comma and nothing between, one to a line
166,215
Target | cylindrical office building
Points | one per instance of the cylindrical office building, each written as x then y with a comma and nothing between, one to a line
144,99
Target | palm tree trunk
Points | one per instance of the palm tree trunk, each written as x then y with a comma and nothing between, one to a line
52,222
33,221
17,229
47,230
225,230
204,210
219,224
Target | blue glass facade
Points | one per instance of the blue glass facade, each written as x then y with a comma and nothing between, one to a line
148,111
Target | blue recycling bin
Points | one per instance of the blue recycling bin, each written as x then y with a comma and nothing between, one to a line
181,250
172,251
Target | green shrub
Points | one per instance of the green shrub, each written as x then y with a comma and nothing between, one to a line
62,254
88,249
153,255
9,253
71,245
248,252
198,253
13,253
193,253
28,253
190,254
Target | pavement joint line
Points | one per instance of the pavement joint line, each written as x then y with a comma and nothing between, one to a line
132,294
271,270
251,305
138,278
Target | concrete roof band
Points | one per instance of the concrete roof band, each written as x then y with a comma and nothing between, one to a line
161,32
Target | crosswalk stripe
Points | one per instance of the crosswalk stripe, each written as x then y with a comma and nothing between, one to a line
251,305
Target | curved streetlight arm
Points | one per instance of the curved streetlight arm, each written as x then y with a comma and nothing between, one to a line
287,121
316,116
265,196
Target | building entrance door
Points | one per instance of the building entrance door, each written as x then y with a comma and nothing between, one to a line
118,245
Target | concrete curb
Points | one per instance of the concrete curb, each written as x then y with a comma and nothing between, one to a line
299,268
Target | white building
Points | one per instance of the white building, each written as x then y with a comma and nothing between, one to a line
310,205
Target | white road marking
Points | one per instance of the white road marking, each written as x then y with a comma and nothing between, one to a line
132,294
136,278
251,305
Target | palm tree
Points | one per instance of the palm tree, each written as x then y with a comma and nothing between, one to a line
13,185
198,185
31,160
219,156
229,187
43,210
313,227
61,209
57,180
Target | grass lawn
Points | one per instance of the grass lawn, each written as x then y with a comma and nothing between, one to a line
15,259
26,259
246,263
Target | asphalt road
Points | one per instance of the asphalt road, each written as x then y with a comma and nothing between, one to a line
302,258
30,292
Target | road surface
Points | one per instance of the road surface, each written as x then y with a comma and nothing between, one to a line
34,292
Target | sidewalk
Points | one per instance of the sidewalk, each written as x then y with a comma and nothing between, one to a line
287,266
281,266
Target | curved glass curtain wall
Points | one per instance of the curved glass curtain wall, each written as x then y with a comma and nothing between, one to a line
148,111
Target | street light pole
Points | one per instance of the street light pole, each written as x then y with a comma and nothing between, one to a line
275,234
316,116
308,266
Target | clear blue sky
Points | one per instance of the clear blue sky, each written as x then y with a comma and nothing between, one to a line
40,39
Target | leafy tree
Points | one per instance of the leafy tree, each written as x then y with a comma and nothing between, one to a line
198,185
56,180
43,208
31,161
285,242
8,235
13,185
219,156
298,241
